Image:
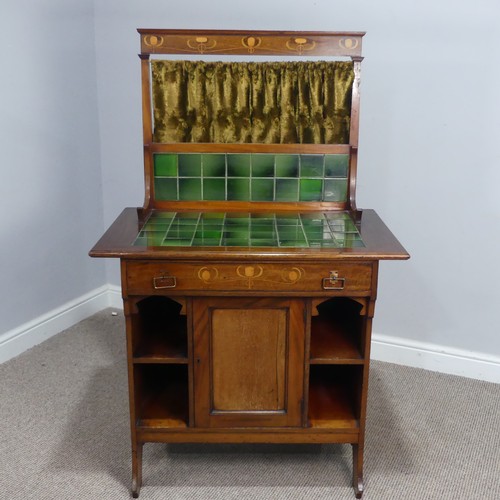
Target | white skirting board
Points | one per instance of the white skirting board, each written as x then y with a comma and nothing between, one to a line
437,358
20,339
477,365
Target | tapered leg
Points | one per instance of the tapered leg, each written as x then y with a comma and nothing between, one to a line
137,470
357,470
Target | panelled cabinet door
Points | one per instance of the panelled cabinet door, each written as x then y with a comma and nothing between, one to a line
248,361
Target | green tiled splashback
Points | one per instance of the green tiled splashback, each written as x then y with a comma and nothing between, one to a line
250,177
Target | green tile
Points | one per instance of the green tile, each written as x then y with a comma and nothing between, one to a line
335,190
238,165
336,165
237,221
214,189
208,233
262,189
290,233
181,232
177,243
165,165
187,215
238,189
293,243
311,189
156,227
206,242
214,165
263,242
262,165
265,216
213,217
161,215
189,165
262,234
165,189
154,239
287,190
287,220
190,189
287,165
236,233
236,242
311,165
316,232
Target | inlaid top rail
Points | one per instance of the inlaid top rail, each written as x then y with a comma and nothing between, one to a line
259,43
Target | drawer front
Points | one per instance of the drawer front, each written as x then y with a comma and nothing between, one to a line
157,277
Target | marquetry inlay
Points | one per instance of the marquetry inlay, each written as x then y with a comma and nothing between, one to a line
250,274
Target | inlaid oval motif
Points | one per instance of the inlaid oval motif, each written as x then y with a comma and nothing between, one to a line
292,275
208,275
153,40
348,43
249,271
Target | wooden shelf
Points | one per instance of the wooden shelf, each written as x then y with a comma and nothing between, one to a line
331,404
166,408
160,332
334,342
163,343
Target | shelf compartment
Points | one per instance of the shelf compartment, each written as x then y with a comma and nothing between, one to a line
333,395
162,396
336,333
159,332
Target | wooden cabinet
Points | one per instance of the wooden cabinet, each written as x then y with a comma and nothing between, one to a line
219,367
249,276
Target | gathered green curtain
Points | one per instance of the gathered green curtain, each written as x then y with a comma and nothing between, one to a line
272,103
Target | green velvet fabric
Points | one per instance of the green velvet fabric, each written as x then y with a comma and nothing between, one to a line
271,103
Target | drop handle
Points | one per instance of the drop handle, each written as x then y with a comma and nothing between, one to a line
164,281
333,282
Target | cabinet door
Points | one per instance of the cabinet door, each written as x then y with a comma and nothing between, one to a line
248,361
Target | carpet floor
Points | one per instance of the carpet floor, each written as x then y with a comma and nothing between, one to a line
64,434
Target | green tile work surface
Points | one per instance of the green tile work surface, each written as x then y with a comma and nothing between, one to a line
250,177
216,229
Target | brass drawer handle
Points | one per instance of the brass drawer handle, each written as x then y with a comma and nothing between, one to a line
332,282
164,281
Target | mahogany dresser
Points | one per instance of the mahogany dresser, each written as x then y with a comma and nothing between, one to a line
249,276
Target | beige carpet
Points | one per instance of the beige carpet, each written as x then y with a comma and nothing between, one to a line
64,434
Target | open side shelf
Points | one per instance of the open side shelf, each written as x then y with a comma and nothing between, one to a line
162,399
334,397
160,332
336,333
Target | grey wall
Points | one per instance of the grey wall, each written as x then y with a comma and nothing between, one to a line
50,187
429,126
428,162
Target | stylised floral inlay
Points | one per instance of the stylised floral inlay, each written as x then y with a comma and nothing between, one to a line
201,44
249,275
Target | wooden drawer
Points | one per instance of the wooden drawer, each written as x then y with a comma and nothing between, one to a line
160,277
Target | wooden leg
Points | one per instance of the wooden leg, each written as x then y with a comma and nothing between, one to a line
137,470
357,470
